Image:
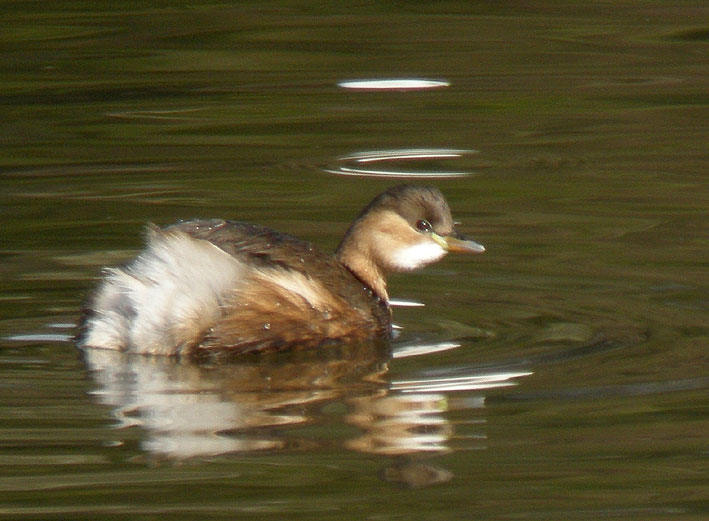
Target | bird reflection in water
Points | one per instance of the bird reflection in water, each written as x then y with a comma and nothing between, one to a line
248,404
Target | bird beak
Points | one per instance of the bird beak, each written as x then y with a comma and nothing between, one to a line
458,244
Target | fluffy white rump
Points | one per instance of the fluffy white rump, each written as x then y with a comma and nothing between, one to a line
171,293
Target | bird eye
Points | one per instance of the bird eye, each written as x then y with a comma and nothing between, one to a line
424,225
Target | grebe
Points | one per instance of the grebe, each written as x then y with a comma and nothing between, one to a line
214,284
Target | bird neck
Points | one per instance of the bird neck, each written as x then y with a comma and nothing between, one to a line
357,258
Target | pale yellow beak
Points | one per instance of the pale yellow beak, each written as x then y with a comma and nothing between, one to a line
457,244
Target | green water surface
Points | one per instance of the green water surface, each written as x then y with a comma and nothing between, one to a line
564,374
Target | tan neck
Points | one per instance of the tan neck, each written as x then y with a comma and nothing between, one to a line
358,260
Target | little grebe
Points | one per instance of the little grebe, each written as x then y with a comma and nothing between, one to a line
202,285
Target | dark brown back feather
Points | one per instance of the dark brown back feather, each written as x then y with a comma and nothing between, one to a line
264,315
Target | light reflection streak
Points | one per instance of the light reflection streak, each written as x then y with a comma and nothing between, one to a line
422,349
406,303
407,153
362,172
458,383
355,164
39,337
393,84
61,325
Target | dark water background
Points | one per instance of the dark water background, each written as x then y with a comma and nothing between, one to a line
562,375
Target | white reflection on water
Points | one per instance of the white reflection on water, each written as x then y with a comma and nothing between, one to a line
368,172
406,153
39,338
393,84
406,303
44,337
418,349
459,383
188,409
358,164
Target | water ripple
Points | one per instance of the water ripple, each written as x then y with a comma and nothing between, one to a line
357,164
393,84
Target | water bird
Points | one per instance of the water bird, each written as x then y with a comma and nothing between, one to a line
205,285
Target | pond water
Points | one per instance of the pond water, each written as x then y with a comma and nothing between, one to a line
564,374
